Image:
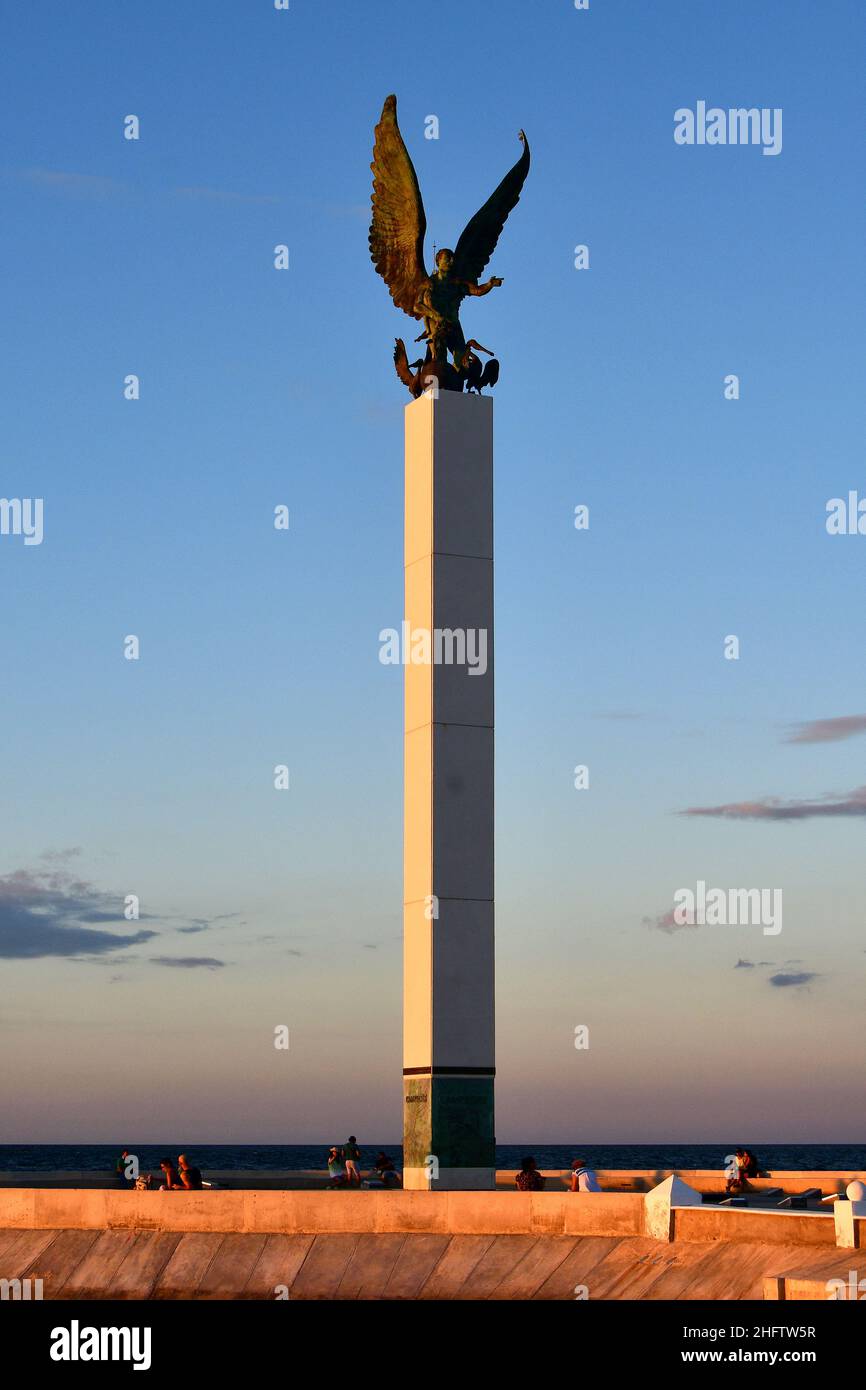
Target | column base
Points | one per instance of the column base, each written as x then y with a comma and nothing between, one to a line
448,1129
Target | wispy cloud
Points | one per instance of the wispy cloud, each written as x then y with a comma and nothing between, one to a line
787,980
827,730
71,182
192,925
189,962
224,195
51,913
773,808
667,922
356,212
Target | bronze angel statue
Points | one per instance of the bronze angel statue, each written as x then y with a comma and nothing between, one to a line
397,249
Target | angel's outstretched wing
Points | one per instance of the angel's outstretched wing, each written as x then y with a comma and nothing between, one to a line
398,225
478,241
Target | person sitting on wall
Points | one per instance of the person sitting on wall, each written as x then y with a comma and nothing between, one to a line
171,1177
583,1179
738,1179
386,1170
753,1167
529,1179
190,1177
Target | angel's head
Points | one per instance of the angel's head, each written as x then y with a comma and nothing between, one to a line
444,258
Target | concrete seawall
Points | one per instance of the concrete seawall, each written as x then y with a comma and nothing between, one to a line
453,1213
424,1245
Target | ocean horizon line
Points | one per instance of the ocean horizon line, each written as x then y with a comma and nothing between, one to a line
267,1157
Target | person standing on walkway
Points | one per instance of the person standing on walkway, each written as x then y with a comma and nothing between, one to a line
125,1171
351,1158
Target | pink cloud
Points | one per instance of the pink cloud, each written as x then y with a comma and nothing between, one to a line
828,730
773,808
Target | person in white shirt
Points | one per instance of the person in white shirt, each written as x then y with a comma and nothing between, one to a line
583,1179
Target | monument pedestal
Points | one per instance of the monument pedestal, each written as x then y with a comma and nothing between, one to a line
448,993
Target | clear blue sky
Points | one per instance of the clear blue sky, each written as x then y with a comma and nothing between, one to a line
260,647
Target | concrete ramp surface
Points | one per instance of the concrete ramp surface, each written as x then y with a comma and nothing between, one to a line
136,1264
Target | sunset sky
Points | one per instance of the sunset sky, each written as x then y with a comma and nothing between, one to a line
260,647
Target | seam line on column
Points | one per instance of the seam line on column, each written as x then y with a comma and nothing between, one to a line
410,902
445,724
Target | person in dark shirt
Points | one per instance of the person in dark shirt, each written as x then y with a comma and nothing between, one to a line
171,1180
753,1167
190,1177
386,1170
529,1179
351,1158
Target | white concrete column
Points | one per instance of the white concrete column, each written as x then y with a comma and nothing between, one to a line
448,994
